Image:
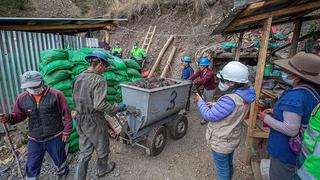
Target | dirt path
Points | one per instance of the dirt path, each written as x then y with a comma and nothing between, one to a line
187,158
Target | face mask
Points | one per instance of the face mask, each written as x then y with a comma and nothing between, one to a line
223,87
35,91
286,79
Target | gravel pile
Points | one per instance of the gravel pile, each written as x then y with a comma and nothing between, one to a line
153,83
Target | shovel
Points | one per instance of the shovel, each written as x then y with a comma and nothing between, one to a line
5,127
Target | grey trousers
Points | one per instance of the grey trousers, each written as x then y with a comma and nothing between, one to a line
280,171
208,95
93,134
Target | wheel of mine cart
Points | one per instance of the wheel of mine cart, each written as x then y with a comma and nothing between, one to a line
123,134
156,140
179,126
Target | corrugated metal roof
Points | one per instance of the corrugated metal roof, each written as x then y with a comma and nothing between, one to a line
55,25
264,7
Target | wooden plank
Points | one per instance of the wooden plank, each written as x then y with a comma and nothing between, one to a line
166,68
281,12
258,83
237,53
295,38
256,170
164,48
251,8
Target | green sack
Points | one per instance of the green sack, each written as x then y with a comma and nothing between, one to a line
73,146
117,63
67,92
112,98
73,136
111,91
120,79
79,69
41,67
63,85
69,100
109,75
132,79
132,64
74,125
112,83
56,77
88,50
121,73
78,57
133,73
57,65
51,55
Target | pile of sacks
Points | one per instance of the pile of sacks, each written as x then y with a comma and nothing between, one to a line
57,72
60,68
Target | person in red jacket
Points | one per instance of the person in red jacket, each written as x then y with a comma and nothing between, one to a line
206,79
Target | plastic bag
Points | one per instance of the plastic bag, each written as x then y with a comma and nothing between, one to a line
67,92
121,73
111,91
79,69
109,75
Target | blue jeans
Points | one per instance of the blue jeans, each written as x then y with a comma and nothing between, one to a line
36,150
224,166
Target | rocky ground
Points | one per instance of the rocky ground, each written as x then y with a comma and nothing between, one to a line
187,158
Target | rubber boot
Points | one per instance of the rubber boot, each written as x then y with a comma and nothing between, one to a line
81,172
104,166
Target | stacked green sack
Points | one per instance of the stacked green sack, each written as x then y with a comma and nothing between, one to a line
134,70
56,70
73,140
78,59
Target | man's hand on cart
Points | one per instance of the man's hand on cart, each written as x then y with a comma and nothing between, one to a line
209,104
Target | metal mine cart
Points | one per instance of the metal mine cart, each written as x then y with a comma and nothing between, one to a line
151,113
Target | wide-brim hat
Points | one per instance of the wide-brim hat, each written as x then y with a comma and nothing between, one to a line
98,54
304,65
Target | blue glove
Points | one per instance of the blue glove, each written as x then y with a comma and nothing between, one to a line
122,107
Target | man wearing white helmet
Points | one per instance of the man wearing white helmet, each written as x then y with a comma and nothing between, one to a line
49,123
225,116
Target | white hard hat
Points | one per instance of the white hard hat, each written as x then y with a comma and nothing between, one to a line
234,71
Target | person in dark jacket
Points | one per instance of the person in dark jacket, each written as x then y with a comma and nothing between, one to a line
50,123
206,79
187,70
89,95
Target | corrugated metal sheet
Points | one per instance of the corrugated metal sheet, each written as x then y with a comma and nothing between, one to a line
20,52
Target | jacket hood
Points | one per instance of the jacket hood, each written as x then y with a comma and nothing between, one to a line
247,94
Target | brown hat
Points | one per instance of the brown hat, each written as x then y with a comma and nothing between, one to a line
304,65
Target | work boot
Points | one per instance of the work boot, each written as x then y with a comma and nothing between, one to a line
81,172
203,122
104,166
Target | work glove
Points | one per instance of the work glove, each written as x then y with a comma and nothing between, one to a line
122,107
4,118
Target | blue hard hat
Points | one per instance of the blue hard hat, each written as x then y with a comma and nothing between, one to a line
204,61
98,54
186,59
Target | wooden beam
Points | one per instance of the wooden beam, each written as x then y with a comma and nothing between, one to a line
251,8
166,68
258,83
295,38
55,27
163,50
313,5
238,50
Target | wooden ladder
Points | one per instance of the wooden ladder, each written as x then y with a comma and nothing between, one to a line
148,38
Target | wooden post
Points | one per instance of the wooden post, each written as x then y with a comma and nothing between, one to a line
238,50
295,38
258,83
166,68
160,56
